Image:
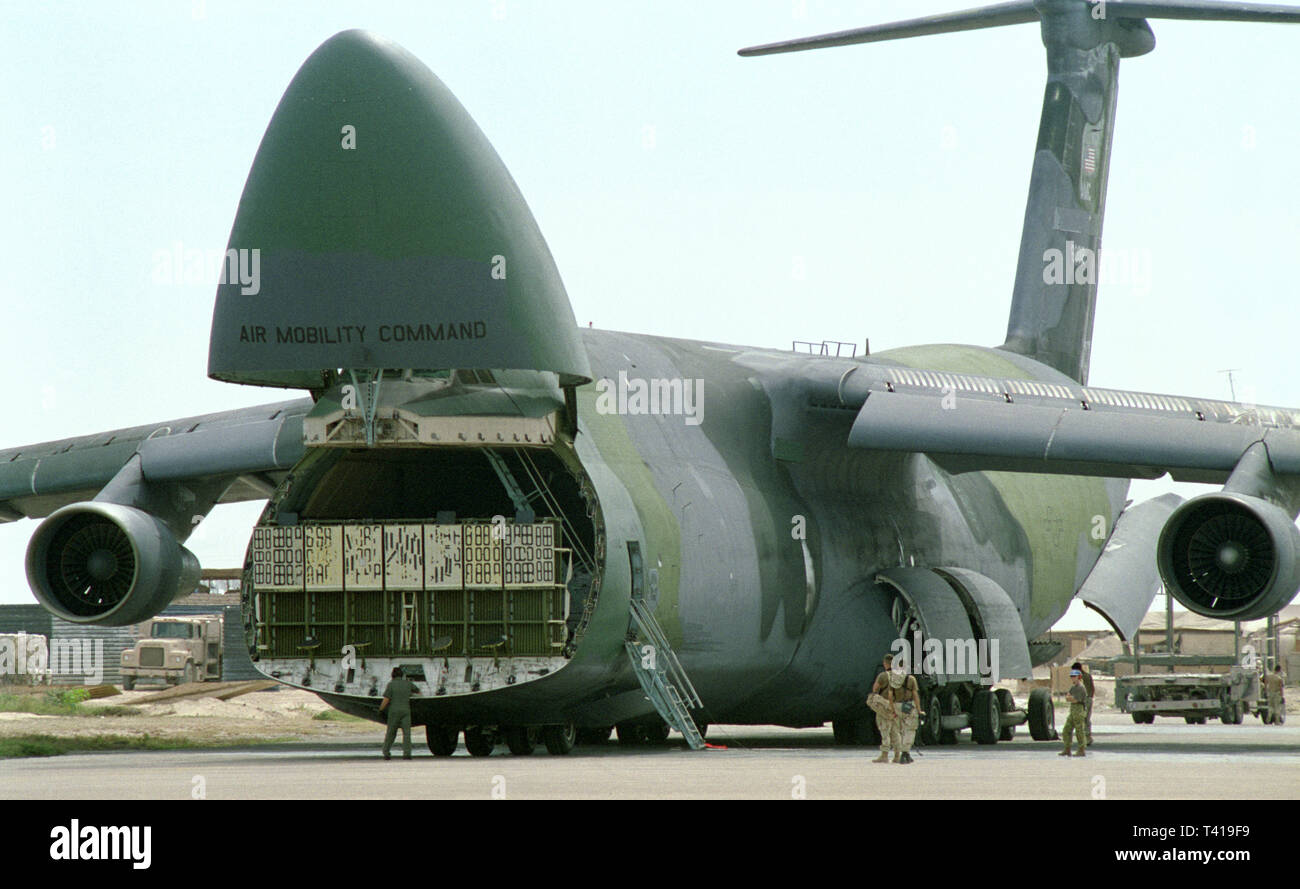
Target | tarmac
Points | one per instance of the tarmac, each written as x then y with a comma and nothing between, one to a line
1167,760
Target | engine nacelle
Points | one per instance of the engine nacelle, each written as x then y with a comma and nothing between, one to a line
1230,556
104,563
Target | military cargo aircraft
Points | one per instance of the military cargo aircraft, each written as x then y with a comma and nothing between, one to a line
556,531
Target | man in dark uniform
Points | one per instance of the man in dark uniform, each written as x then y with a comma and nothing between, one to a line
397,701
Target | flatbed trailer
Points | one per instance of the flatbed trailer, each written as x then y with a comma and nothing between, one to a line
1197,697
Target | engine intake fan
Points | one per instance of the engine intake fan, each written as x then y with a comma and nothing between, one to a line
1230,556
104,563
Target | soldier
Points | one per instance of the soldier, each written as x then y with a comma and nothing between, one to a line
896,701
1091,689
397,699
881,705
1078,697
1273,694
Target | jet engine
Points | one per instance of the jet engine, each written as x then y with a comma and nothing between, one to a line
1230,556
105,563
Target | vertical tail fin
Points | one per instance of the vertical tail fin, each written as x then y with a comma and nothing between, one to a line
1055,291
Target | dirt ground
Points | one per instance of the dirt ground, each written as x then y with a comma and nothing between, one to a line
265,715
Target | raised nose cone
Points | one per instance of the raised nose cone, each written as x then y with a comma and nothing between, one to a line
379,229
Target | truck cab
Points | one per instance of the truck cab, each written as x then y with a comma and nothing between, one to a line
175,650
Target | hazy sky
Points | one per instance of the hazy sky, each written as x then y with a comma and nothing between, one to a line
680,188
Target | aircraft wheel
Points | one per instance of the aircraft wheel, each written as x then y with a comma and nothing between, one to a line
559,739
1042,715
931,727
985,717
630,734
479,742
595,735
1006,703
519,740
952,707
442,740
702,728
860,732
657,733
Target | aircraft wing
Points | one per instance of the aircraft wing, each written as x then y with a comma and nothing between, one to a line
250,448
968,423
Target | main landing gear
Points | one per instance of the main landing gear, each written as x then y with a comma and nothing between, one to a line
991,714
520,740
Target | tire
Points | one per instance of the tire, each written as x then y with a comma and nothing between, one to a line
1006,703
952,707
128,683
931,730
595,736
1042,715
1144,717
860,732
189,675
559,739
519,740
657,733
702,728
630,734
442,740
985,717
479,742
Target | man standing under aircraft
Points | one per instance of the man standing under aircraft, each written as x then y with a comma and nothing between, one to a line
896,701
397,699
1091,689
1078,697
1273,694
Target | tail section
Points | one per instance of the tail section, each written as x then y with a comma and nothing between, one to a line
1054,298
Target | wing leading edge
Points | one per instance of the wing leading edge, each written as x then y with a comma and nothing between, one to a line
248,446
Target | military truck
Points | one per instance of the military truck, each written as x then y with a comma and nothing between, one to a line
1194,696
175,650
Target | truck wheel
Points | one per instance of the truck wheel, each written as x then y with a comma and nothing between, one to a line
128,683
189,673
1144,717
519,740
559,738
985,717
1006,703
1042,715
442,739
